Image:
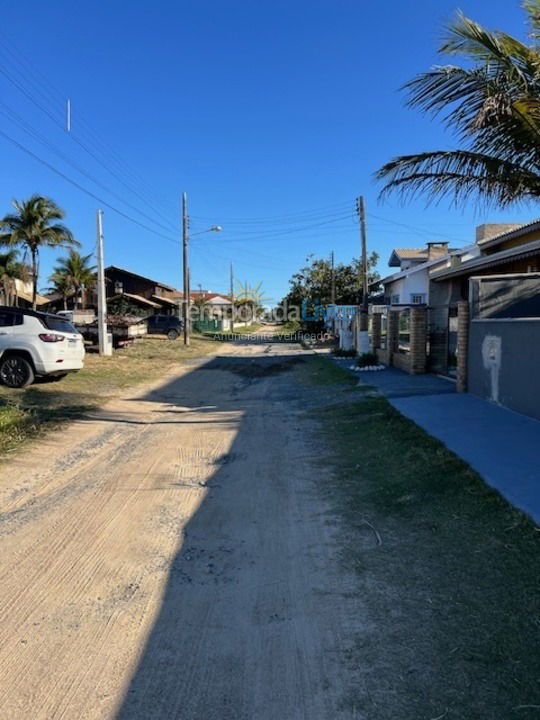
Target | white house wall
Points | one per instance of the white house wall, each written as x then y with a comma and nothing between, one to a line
414,284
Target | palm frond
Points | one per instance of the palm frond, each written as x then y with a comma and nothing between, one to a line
532,8
458,175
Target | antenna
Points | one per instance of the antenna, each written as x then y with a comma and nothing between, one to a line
68,115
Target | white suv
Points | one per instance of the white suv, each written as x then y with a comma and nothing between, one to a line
35,343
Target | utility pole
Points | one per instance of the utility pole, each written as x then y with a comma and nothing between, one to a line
362,215
185,267
333,291
363,344
104,345
232,298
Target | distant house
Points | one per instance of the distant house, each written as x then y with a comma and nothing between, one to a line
216,305
146,294
23,295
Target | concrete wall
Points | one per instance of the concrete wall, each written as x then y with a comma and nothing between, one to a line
503,363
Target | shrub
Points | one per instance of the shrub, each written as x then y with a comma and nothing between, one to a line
367,359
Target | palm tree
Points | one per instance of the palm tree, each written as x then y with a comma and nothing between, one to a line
11,269
61,284
74,274
492,103
33,226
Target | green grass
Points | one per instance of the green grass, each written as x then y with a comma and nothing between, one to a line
25,414
451,596
241,330
321,371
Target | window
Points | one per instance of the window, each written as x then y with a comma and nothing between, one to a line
418,298
394,300
57,323
9,319
118,287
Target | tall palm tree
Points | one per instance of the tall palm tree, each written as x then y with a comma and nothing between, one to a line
33,226
11,269
492,103
76,273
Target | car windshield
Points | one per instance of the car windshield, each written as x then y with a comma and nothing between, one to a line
58,324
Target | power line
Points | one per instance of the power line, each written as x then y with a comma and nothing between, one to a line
73,135
412,227
28,128
287,217
83,189
55,96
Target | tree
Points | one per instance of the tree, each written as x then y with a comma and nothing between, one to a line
74,275
492,103
61,284
312,284
11,269
33,226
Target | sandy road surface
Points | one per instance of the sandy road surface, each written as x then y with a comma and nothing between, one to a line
169,557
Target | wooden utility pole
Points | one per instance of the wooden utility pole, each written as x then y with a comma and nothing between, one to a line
361,207
104,346
185,267
232,298
333,289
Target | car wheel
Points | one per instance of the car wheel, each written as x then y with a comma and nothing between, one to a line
16,372
173,334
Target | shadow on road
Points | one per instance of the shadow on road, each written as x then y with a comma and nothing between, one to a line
224,644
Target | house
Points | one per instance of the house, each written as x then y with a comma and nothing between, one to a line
500,249
23,295
143,293
410,285
212,304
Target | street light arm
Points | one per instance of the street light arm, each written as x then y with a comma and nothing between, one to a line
214,228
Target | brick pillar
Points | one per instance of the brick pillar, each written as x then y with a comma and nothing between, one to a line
462,345
392,336
376,331
418,358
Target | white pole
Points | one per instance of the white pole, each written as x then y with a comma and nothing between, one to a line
104,347
68,115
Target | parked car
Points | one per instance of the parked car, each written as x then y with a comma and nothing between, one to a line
37,344
167,325
78,317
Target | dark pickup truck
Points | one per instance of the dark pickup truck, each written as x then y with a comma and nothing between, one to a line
167,325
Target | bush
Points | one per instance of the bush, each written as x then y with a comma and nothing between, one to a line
338,352
367,359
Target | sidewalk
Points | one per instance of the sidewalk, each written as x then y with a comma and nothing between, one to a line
501,445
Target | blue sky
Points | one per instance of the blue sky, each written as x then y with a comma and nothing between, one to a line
272,115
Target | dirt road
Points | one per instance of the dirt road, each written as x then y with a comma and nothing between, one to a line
169,557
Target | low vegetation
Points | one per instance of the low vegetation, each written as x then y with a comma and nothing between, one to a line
27,413
448,569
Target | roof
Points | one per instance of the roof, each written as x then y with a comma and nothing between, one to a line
511,234
41,299
209,296
206,295
167,301
137,298
420,254
140,277
416,268
484,261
